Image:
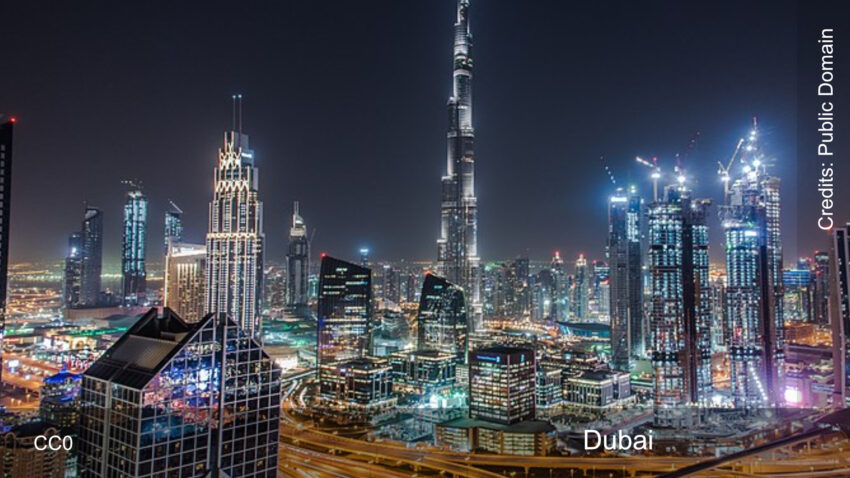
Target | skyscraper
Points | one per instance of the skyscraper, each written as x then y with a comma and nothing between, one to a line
840,310
680,313
6,130
457,247
441,320
173,225
502,384
754,289
626,294
134,245
91,262
297,261
171,398
560,294
73,266
581,289
235,239
344,311
185,266
821,287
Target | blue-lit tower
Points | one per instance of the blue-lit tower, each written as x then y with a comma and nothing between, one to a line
173,225
134,245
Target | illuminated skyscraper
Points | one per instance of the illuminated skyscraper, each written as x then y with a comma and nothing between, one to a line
91,262
820,295
840,310
502,383
442,323
457,247
173,225
560,293
134,245
297,261
235,239
344,311
680,311
185,266
6,130
581,289
73,264
626,294
171,398
754,288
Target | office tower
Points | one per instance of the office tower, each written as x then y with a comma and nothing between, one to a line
719,327
560,293
134,245
173,225
185,266
297,261
457,247
599,303
235,239
92,257
750,222
680,314
821,288
6,130
73,269
628,337
60,401
171,398
502,384
442,323
344,311
797,300
839,307
364,257
581,288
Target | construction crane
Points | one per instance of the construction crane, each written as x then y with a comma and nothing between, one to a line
655,175
133,183
723,170
175,207
608,171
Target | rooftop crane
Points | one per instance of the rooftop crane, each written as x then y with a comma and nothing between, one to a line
723,170
656,173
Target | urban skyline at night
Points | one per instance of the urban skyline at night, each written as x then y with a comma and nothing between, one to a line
627,272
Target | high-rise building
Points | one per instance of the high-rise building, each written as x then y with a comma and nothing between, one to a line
73,266
235,239
171,398
680,313
581,289
173,225
6,130
840,310
560,293
344,311
185,266
297,261
134,245
754,288
502,384
91,262
821,287
442,320
625,273
457,247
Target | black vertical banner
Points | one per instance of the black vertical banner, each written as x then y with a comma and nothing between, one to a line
823,165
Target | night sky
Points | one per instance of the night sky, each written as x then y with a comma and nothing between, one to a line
345,106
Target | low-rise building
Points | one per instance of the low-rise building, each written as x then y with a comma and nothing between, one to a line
530,437
599,389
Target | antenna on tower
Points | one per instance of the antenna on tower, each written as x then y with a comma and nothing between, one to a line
239,96
233,122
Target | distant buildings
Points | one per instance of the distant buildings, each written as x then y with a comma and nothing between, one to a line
423,372
840,309
91,262
680,314
581,289
297,261
72,271
457,246
134,246
628,337
181,399
442,320
344,311
185,265
60,401
235,239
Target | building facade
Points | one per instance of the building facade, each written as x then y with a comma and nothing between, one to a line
235,239
297,261
72,271
173,226
442,318
457,246
6,135
91,262
840,310
134,246
181,399
502,384
344,311
625,259
185,266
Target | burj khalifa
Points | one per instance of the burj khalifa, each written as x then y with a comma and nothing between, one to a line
457,247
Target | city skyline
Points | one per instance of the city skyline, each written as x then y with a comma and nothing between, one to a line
536,197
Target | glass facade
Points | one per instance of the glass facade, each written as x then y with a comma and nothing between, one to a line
502,384
297,261
442,319
625,259
177,399
91,262
134,246
344,311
